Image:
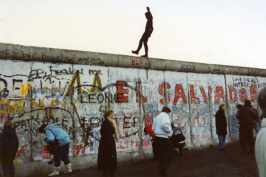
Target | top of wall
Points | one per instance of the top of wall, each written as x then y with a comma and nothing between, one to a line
42,54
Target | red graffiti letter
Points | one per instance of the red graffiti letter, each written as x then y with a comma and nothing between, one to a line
121,92
203,93
162,91
179,93
219,94
193,97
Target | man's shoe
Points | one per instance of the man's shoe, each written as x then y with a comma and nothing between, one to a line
135,52
144,56
55,172
69,168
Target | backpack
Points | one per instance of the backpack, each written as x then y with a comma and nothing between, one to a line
178,138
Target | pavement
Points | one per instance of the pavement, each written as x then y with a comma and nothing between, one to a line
209,162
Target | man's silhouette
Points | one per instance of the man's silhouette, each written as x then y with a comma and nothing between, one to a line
147,33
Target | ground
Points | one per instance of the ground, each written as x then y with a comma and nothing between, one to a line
208,162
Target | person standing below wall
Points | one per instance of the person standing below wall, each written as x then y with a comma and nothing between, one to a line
107,157
8,148
163,131
149,131
260,144
221,126
59,139
247,120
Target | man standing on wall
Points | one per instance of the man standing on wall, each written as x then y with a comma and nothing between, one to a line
163,131
147,33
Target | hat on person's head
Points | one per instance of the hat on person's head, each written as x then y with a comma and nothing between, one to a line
42,128
166,109
8,123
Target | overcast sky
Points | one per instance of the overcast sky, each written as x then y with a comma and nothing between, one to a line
231,32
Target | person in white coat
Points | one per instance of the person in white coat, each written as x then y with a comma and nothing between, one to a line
163,131
260,144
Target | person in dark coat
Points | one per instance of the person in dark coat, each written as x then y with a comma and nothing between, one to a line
107,157
221,126
146,35
8,148
247,120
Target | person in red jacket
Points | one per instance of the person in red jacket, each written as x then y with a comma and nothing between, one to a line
148,130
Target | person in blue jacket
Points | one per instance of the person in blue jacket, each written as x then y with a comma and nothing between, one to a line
59,139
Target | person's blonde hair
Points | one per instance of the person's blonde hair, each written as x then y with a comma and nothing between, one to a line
108,113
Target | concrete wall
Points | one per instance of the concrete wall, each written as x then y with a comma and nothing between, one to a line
76,87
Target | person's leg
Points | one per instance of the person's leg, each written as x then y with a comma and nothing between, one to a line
4,168
164,156
250,140
242,139
65,154
223,142
221,139
142,39
159,154
8,168
145,42
154,150
11,169
110,172
65,158
105,171
57,161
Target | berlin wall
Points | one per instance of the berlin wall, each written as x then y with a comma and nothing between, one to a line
73,88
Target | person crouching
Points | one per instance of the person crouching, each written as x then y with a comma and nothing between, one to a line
59,139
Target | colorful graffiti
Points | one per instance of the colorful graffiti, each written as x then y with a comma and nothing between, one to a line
75,96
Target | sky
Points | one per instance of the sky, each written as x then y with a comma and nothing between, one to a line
230,32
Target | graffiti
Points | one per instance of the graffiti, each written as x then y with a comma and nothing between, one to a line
180,95
242,93
53,73
244,82
136,61
75,97
98,98
187,68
